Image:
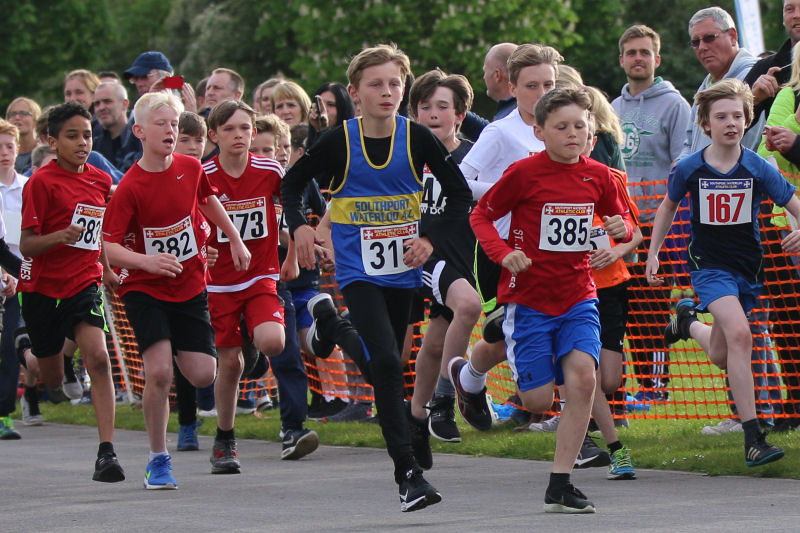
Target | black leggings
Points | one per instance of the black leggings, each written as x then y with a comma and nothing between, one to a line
380,316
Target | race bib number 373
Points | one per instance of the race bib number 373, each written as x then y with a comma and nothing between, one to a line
382,248
177,239
726,201
565,227
91,218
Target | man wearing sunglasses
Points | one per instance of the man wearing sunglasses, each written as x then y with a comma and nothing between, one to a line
715,41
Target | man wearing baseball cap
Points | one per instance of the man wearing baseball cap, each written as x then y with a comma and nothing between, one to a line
148,68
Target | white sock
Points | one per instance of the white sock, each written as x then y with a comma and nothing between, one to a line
471,380
153,455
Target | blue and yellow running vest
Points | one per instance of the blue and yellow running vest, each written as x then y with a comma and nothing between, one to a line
374,210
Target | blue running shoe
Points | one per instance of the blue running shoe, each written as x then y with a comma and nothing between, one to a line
621,466
187,437
159,474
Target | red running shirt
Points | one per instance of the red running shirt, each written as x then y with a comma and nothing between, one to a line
53,199
250,203
552,206
156,212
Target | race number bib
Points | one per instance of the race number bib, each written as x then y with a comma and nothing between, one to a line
91,218
726,201
248,216
565,227
599,238
433,201
382,248
178,240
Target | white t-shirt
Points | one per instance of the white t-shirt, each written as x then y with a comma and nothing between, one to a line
501,143
11,196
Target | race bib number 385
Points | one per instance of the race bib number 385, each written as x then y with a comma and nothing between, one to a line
248,216
382,248
91,218
178,240
565,227
726,201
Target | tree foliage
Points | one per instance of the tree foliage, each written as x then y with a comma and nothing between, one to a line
313,41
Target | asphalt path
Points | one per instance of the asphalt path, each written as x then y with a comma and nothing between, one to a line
47,486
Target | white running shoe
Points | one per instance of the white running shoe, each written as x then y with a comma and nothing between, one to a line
548,426
29,419
730,425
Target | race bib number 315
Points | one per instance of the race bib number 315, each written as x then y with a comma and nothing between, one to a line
382,248
565,227
726,201
91,218
178,240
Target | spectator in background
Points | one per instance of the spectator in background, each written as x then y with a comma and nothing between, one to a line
223,84
23,113
148,68
109,76
291,103
261,96
116,141
200,92
333,107
716,44
654,116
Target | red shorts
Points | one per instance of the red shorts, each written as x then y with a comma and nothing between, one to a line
258,303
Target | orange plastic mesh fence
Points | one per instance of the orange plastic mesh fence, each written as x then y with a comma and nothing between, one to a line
680,374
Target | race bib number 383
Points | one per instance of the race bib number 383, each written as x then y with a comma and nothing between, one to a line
382,248
726,201
91,218
565,227
177,239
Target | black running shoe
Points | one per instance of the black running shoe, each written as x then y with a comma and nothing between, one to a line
591,454
319,306
298,443
761,452
567,500
416,493
493,326
420,440
442,421
326,409
225,457
678,328
107,469
473,407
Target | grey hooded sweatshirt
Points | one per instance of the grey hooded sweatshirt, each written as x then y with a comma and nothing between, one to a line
654,124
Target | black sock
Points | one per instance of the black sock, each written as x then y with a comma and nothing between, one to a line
614,446
558,480
104,448
225,434
752,430
32,395
69,370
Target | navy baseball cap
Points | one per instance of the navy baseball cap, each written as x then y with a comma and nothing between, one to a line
147,61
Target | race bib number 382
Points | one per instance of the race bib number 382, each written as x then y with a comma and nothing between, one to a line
177,239
382,248
726,201
91,218
566,227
